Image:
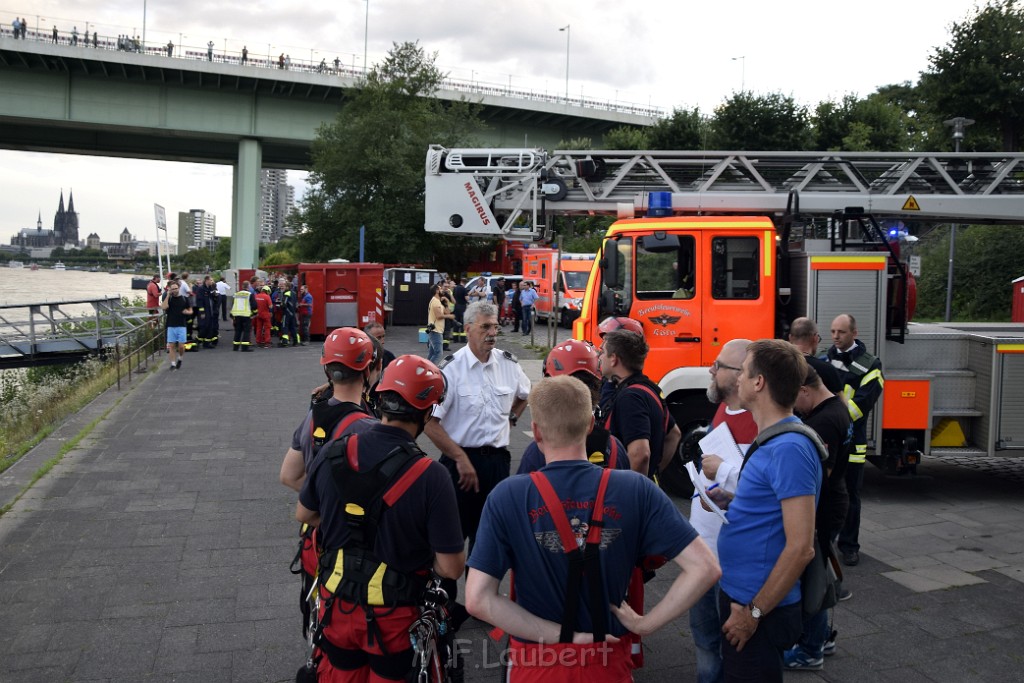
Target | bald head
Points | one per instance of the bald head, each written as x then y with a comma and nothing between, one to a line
725,372
803,334
844,331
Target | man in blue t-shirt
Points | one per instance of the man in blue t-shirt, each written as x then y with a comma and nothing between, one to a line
522,531
770,535
527,298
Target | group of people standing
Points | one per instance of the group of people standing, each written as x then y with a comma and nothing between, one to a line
18,28
587,523
449,299
256,307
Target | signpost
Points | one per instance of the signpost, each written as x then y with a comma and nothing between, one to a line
161,225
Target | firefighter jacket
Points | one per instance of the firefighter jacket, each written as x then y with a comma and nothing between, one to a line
206,300
288,304
243,304
863,383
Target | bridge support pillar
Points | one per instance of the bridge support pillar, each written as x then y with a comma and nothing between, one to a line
245,219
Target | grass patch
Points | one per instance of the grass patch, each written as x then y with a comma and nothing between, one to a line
68,446
26,428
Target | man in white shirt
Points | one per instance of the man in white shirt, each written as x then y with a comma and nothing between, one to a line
223,293
723,470
487,392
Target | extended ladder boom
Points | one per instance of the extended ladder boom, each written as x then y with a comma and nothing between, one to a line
503,192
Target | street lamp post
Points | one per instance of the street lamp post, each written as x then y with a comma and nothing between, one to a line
366,35
143,25
958,124
568,34
742,59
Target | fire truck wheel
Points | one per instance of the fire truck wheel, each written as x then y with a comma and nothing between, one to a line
693,414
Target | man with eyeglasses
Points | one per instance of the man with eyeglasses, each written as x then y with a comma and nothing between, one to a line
803,334
722,470
488,392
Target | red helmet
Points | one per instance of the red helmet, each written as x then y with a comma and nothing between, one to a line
349,346
570,357
416,380
620,323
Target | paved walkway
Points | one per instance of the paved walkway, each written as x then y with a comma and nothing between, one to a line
158,549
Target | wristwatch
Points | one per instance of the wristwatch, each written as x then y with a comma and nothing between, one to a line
512,419
755,611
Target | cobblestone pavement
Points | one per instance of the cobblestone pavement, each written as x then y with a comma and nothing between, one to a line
158,549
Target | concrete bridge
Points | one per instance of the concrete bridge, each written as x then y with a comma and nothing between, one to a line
106,102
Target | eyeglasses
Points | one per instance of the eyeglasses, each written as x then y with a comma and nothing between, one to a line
380,337
717,365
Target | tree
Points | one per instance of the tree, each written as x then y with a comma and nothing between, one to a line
576,144
872,124
987,260
222,254
684,129
626,137
762,122
368,163
979,74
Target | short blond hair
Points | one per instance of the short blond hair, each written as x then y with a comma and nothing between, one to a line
562,408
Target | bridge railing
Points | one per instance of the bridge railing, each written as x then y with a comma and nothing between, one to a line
49,333
267,60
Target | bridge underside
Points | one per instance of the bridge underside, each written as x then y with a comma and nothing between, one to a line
78,100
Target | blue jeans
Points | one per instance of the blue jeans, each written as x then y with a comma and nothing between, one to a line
707,637
434,346
815,634
527,319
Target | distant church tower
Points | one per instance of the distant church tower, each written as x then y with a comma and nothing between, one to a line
65,223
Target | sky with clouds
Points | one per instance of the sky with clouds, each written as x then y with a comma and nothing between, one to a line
667,53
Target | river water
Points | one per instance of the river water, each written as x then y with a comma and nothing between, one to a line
26,286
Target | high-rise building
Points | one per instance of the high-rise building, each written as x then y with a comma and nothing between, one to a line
277,198
196,230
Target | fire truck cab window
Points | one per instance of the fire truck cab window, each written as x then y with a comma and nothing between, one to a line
735,265
666,272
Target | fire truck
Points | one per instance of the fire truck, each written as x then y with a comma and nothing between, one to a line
712,246
561,281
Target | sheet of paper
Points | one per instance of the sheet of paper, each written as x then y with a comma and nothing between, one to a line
700,485
720,441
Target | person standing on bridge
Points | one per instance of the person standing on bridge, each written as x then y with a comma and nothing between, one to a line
170,48
95,40
245,54
177,307
55,34
209,51
74,36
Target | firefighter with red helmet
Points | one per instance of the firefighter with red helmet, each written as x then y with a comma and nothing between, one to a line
579,359
387,517
620,323
351,361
